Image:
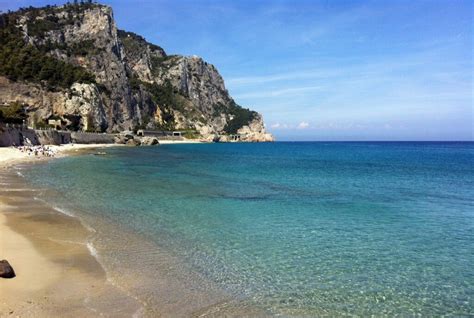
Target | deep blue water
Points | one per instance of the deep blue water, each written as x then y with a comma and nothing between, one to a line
297,228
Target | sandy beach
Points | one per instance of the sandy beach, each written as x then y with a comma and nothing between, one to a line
56,273
10,156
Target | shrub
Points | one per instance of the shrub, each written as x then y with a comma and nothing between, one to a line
191,134
135,43
13,114
22,61
41,125
241,117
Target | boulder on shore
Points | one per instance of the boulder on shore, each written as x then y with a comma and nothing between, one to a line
125,138
149,141
119,139
133,142
6,270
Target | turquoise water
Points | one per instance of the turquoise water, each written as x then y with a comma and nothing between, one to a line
298,229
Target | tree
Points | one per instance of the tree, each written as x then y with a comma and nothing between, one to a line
21,61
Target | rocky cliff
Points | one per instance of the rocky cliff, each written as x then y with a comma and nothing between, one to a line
71,64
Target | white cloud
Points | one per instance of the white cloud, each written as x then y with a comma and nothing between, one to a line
286,92
318,73
280,126
303,125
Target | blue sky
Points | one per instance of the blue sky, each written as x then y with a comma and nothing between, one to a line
326,70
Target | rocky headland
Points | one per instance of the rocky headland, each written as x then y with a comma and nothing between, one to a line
70,68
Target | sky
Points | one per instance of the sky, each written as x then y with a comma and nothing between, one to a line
326,70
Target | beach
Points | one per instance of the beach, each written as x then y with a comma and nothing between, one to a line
10,156
283,229
56,274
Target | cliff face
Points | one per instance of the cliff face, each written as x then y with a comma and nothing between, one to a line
111,80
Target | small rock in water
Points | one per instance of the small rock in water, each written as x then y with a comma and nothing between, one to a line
6,271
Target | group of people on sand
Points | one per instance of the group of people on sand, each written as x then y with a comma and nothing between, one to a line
37,151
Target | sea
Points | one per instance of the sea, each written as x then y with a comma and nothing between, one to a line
292,229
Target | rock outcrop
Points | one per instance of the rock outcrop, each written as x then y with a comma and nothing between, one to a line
6,270
149,141
110,80
255,131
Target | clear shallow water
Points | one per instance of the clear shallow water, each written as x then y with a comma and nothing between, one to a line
298,229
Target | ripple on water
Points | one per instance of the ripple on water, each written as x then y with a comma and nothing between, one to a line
299,229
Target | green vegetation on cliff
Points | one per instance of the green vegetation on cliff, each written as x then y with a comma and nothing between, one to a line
22,61
162,63
166,95
50,21
241,117
167,99
13,113
81,48
134,43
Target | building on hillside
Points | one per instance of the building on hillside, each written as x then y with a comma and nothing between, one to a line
56,123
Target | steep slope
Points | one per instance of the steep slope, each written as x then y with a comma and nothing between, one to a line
94,77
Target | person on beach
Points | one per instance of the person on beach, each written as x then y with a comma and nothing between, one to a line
37,151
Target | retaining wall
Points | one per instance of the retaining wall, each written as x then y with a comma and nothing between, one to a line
92,138
18,135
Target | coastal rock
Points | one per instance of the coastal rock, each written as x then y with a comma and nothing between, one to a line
40,102
255,131
135,84
224,138
149,141
119,139
84,103
123,138
6,270
128,135
210,138
133,142
139,54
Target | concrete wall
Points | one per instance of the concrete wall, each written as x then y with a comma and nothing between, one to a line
52,137
92,138
17,135
170,138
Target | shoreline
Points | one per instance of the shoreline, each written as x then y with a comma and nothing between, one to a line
57,273
10,156
63,245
